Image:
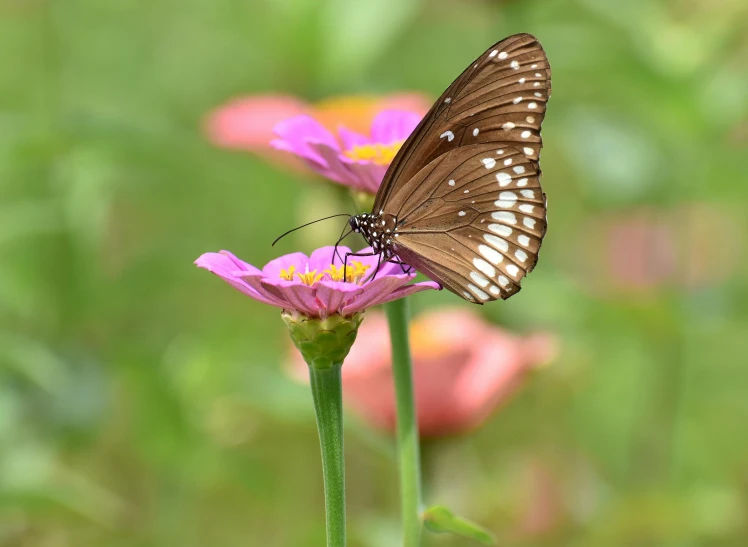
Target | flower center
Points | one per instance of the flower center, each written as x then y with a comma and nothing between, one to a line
379,154
354,273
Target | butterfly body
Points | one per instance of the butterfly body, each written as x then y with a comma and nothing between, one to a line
461,201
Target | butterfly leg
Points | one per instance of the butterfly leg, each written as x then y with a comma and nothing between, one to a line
345,262
402,266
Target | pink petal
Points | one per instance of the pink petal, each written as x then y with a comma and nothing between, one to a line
224,267
390,126
299,296
322,258
332,296
351,139
297,133
273,268
248,122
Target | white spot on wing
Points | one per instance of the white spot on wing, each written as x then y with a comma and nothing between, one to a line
512,269
493,289
503,178
479,279
450,136
490,163
503,55
493,53
507,126
484,266
475,132
519,169
527,193
517,100
526,208
505,216
524,240
532,106
508,161
526,134
522,182
514,65
497,242
529,222
528,151
521,255
490,254
503,281
501,229
477,292
461,213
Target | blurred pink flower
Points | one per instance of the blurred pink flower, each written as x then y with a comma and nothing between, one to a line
463,369
246,123
314,285
350,158
647,248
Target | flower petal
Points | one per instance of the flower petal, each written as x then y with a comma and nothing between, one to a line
390,126
322,258
351,139
273,268
224,267
298,133
299,296
386,289
334,295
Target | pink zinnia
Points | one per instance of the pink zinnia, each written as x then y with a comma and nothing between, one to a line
314,285
350,158
463,369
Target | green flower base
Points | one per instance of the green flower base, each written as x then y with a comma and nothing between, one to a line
323,342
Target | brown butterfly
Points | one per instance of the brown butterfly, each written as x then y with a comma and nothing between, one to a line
461,202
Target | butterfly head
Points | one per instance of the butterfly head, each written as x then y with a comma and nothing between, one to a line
379,231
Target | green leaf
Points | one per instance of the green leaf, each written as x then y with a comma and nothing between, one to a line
439,519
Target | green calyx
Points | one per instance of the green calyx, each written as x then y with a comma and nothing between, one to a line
323,342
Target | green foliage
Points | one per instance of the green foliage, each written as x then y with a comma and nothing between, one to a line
145,403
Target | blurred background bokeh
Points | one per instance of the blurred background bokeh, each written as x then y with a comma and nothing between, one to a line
145,403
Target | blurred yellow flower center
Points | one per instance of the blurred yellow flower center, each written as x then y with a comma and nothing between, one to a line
355,273
380,154
425,342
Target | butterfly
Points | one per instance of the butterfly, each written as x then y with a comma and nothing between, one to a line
461,201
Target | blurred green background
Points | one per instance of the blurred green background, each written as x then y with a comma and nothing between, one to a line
143,402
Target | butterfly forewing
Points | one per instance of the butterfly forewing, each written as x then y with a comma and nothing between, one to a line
473,219
500,98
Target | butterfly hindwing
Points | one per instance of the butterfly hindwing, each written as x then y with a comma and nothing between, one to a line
473,220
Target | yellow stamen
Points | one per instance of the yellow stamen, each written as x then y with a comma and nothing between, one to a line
310,278
354,273
288,274
379,154
335,272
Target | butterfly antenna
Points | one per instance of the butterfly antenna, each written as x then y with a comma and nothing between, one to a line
307,224
340,239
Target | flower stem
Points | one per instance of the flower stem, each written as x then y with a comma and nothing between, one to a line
328,406
407,426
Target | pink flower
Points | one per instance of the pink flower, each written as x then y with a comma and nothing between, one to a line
645,249
246,123
314,285
463,369
350,158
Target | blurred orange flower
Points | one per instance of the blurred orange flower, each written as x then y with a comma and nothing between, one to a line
463,369
246,123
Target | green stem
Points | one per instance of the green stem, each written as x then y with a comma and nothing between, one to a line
328,406
407,426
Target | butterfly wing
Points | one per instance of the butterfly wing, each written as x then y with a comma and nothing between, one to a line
473,219
500,98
